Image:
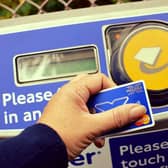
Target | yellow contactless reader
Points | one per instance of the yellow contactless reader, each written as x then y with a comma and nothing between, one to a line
141,53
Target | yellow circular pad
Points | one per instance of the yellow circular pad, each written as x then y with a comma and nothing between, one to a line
145,56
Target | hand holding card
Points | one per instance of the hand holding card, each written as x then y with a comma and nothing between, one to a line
133,92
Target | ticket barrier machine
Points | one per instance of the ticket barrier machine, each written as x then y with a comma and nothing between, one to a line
127,42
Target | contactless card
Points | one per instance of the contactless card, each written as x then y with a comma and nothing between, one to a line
134,92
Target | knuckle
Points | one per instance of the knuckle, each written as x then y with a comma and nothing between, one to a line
117,118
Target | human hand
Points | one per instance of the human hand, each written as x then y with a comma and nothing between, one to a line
68,115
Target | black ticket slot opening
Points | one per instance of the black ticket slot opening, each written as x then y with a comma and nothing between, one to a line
138,51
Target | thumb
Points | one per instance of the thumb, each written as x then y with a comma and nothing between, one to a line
118,117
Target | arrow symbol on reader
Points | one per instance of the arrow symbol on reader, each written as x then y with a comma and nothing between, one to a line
109,105
148,55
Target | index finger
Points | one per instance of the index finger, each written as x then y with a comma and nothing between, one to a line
88,85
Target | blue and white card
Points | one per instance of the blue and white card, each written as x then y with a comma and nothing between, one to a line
134,92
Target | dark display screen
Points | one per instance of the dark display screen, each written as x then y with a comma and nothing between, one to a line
56,64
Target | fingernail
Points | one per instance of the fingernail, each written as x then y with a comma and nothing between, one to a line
137,112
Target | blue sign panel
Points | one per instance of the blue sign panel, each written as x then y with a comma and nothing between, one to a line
149,150
35,63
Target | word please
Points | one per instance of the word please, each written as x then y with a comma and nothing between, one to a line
131,149
20,99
